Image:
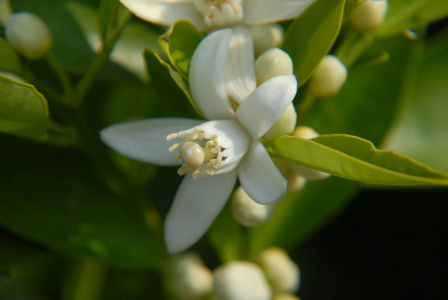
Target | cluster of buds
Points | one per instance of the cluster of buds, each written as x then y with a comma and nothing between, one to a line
275,277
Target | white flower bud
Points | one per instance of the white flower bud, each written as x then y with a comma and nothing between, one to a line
368,15
295,181
240,280
329,77
285,296
248,212
284,125
271,63
281,271
310,174
28,35
189,279
266,36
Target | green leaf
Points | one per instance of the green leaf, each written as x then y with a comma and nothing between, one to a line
54,198
357,159
179,43
167,81
311,35
421,131
23,110
9,61
405,14
366,106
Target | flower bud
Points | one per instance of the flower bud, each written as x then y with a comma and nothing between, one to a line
329,77
285,296
240,280
284,125
368,15
28,35
295,181
271,63
266,36
310,174
282,273
248,212
190,279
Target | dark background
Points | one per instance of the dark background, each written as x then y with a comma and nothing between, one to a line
387,244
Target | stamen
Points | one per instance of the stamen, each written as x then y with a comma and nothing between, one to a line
173,147
183,170
171,136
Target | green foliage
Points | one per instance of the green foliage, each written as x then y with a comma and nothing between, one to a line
23,110
305,33
163,77
415,14
421,132
361,108
357,159
53,198
111,15
9,61
179,43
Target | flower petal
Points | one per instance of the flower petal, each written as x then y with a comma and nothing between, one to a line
206,76
195,207
267,104
239,69
259,176
145,140
232,137
270,11
166,12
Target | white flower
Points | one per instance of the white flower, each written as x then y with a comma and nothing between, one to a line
206,14
214,153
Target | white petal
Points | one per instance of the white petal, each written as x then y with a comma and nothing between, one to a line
165,12
259,176
206,76
267,104
239,69
195,207
232,137
270,11
145,140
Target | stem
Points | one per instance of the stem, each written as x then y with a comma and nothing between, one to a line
353,46
85,281
60,72
87,81
305,105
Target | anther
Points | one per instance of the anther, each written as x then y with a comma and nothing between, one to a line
171,136
173,147
183,170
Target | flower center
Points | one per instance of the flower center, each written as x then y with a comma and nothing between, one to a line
220,13
200,155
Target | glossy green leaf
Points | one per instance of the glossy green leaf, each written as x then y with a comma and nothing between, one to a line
311,35
421,131
357,159
167,80
366,106
9,61
55,199
23,110
179,43
405,14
